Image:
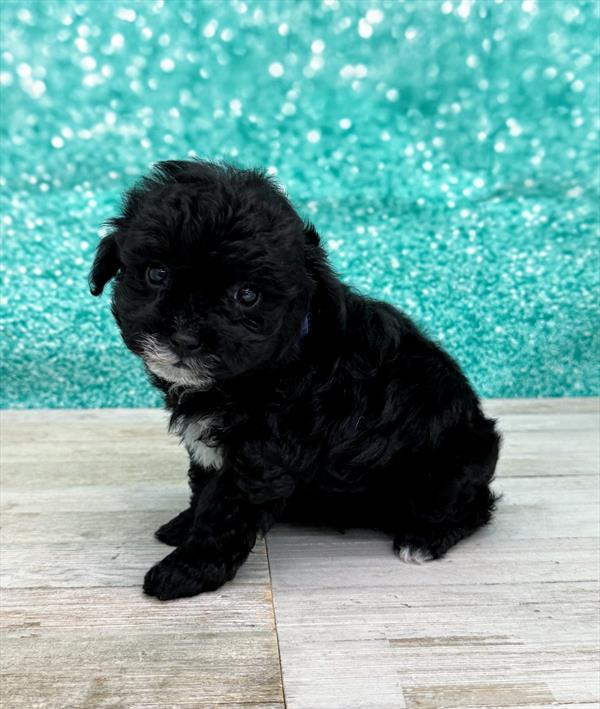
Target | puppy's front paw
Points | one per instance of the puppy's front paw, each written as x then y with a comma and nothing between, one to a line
176,531
177,577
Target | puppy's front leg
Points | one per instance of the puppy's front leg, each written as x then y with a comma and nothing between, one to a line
222,534
176,530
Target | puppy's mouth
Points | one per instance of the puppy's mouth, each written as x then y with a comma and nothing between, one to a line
164,363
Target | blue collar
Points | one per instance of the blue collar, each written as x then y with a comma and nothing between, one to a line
305,329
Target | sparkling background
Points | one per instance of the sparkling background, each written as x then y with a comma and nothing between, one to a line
446,151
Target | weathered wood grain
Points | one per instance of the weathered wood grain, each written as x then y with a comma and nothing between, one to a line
73,647
543,406
82,493
508,619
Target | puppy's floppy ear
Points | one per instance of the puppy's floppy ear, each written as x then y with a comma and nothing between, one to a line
312,237
106,264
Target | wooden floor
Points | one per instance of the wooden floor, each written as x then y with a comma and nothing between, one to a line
315,619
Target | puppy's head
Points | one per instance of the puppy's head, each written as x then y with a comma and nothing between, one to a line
210,268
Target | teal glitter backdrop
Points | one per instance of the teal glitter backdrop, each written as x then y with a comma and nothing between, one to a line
447,152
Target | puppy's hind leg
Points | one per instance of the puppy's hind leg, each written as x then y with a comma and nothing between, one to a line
450,507
426,539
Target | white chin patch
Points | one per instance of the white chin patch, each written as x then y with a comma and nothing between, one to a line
181,375
412,555
163,362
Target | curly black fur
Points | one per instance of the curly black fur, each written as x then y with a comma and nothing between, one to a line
312,404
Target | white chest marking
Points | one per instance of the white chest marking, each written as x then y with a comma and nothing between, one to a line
202,447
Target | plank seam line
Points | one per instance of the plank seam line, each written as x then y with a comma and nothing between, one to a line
275,623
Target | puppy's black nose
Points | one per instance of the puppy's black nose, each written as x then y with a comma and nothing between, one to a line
185,342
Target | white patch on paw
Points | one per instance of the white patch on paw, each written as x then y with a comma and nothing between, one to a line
413,555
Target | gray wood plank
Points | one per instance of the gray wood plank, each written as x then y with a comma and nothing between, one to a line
508,619
82,493
546,406
73,647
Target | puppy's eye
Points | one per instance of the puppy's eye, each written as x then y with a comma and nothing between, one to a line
156,275
246,296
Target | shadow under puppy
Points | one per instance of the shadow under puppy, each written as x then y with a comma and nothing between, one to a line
296,398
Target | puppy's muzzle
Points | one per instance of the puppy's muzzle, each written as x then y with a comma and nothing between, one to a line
185,344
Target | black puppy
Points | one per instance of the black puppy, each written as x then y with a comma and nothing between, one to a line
296,398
